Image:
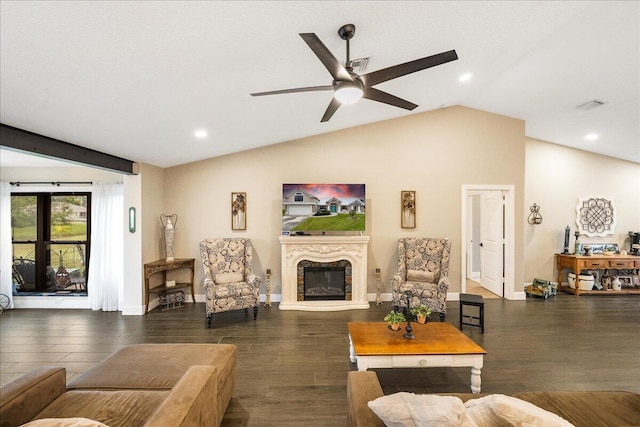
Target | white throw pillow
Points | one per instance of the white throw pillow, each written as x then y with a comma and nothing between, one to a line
64,422
228,278
501,410
419,410
421,276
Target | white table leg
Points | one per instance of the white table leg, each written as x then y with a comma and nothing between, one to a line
352,351
475,380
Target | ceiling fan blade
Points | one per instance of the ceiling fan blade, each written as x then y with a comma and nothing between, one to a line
335,68
375,77
333,106
295,90
386,98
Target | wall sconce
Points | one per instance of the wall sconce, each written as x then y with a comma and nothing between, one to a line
132,220
534,217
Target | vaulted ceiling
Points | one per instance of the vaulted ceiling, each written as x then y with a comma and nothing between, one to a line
135,79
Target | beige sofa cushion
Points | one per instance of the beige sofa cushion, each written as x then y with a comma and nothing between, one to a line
417,410
64,422
115,408
496,410
499,410
156,366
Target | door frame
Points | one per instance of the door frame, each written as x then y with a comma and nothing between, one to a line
471,230
509,232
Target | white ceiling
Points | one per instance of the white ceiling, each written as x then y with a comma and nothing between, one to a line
135,79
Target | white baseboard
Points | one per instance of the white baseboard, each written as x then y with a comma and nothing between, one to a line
133,311
519,296
54,302
274,297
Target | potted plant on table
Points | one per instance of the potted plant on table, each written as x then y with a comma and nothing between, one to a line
422,312
394,318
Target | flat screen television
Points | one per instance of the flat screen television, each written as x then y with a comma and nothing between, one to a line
316,208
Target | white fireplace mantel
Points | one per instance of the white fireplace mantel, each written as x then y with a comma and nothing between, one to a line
324,249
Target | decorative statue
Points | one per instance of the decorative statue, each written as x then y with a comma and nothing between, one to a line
168,224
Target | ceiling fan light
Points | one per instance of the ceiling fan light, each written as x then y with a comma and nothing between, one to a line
348,94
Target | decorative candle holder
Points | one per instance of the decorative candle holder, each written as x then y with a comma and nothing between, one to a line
378,287
409,335
267,300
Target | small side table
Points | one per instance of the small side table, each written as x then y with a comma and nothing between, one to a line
475,301
162,266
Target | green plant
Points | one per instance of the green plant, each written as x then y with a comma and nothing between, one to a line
421,310
394,317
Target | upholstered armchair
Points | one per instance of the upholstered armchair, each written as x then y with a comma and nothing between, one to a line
423,274
229,282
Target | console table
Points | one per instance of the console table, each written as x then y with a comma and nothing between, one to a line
162,266
595,262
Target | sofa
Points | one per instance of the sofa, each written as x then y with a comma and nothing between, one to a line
139,385
42,394
580,408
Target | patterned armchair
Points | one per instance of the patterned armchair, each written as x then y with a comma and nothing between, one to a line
423,272
229,282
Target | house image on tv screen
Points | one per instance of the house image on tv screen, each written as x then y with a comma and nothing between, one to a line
323,207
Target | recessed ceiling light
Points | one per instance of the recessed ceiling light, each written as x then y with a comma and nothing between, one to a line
465,77
200,133
591,136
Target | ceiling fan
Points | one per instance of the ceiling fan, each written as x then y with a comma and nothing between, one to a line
348,86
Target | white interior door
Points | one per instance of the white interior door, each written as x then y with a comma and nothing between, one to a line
491,234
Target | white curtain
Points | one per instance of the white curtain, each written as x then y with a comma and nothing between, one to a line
6,250
106,267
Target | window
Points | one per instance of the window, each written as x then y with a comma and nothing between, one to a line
51,242
298,197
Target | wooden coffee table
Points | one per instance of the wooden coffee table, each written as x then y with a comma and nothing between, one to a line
437,344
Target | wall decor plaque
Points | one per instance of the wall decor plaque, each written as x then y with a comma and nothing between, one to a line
238,211
408,209
595,216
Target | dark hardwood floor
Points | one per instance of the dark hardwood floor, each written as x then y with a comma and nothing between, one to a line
292,365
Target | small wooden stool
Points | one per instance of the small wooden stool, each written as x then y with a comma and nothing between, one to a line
476,301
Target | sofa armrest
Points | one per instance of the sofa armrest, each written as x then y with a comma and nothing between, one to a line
191,402
362,387
23,398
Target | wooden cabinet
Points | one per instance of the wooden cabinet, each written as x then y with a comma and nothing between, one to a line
162,266
596,262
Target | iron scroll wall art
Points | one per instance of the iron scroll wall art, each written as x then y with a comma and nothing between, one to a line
596,216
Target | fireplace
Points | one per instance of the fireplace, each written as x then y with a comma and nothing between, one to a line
324,280
347,252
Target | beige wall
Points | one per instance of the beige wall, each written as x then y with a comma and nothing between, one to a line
434,153
556,176
152,187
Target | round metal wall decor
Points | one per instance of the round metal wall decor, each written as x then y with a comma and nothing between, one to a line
595,216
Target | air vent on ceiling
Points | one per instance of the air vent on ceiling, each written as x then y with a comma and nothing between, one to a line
359,64
590,105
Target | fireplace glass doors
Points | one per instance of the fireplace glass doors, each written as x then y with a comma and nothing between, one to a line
324,280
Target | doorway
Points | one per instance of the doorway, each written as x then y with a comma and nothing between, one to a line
487,238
